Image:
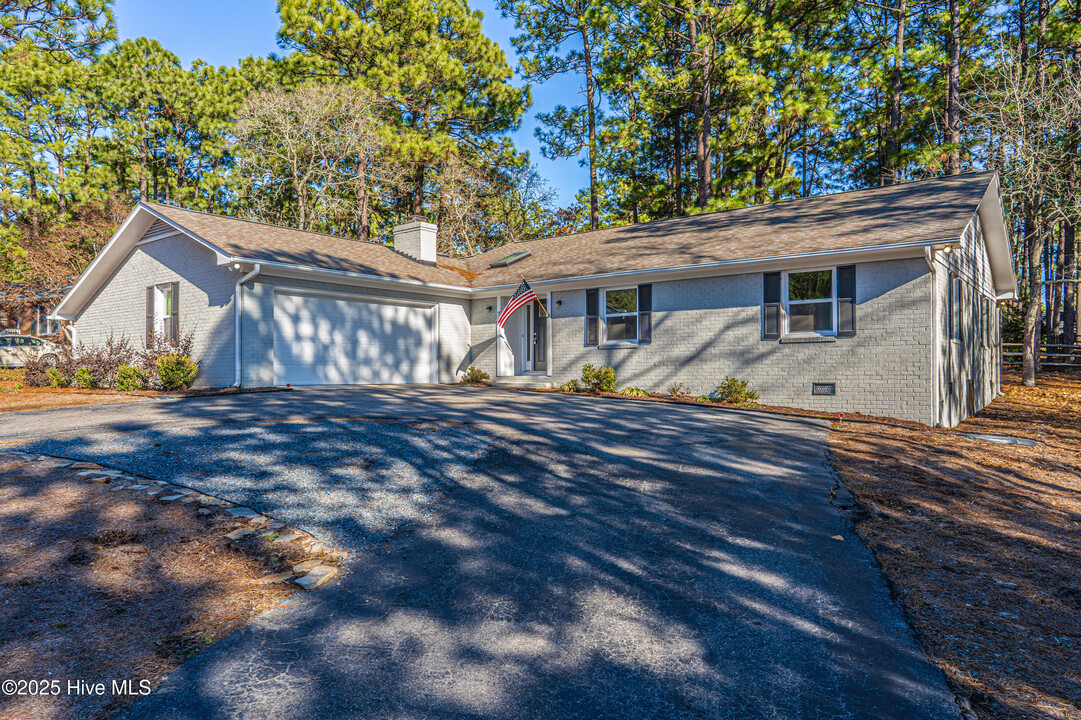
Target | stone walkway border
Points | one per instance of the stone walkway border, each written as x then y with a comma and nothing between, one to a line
311,574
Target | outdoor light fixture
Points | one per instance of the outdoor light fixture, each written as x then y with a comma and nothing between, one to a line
489,308
236,266
948,249
559,303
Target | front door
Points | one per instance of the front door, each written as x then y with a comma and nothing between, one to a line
539,328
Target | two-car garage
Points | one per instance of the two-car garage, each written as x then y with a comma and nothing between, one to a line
330,339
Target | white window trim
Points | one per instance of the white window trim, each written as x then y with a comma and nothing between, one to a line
159,307
785,331
602,301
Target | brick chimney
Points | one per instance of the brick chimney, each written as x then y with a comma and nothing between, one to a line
416,238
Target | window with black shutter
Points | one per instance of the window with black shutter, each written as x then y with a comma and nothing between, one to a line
592,318
771,306
645,314
846,301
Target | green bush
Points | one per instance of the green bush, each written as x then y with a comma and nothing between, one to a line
735,391
176,371
86,378
475,375
56,378
129,377
704,399
633,392
598,379
570,386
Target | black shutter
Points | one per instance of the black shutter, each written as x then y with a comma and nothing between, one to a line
150,316
771,306
846,301
592,318
645,314
174,318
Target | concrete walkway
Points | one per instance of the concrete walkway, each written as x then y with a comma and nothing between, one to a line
600,559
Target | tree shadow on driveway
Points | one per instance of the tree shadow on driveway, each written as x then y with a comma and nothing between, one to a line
601,560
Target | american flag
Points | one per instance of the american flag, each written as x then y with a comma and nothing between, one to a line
521,296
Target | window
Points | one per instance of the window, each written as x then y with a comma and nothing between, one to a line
42,324
621,314
811,296
162,313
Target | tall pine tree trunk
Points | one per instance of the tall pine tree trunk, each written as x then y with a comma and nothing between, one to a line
1071,307
677,161
1030,352
1069,289
591,119
143,189
418,191
893,142
703,115
953,97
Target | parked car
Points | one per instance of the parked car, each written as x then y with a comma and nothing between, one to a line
15,350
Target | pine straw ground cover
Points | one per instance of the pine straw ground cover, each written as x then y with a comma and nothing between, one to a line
101,585
982,543
15,398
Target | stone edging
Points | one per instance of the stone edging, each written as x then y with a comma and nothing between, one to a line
319,570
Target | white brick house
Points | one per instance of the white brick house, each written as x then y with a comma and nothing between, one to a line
882,301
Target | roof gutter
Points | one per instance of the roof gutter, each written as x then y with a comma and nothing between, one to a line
238,313
461,290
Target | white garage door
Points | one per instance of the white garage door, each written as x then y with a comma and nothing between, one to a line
332,340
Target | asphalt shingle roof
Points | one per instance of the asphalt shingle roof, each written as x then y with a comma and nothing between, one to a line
273,243
925,210
910,212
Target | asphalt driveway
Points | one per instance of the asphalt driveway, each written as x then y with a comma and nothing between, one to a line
523,555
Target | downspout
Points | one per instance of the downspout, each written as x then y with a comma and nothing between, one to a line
929,256
238,312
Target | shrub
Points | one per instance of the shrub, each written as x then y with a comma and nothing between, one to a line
735,391
176,371
56,378
86,378
475,375
570,386
598,379
159,347
678,390
103,361
704,399
35,372
129,377
634,392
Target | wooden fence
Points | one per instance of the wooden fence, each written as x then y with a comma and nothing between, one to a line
1060,356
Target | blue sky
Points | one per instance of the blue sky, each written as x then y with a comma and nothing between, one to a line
223,31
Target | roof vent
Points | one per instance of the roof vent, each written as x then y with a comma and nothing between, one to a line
510,259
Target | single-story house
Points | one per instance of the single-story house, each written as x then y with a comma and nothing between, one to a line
882,301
